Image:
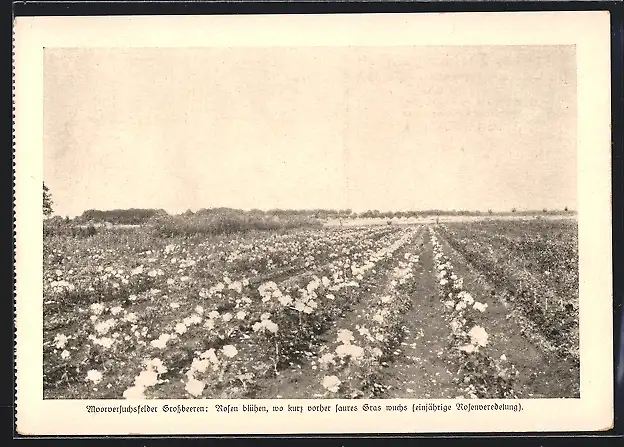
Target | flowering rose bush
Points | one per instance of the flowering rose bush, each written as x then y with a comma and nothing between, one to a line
536,265
481,376
131,315
127,296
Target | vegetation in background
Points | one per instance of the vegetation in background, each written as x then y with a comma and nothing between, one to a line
132,216
313,312
47,201
226,221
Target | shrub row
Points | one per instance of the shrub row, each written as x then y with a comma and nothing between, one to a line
225,224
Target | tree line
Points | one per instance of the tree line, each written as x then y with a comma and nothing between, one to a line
136,216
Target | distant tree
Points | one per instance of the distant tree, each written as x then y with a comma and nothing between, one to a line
490,211
544,210
513,210
47,201
565,209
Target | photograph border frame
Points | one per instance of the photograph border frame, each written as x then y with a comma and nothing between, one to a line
79,8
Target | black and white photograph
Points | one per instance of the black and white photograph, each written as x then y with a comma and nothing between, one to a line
310,222
276,222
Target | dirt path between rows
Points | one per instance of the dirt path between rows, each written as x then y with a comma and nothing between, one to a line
300,381
542,374
420,367
420,371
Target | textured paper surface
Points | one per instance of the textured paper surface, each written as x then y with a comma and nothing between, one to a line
587,31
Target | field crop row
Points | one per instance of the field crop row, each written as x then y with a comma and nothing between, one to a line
359,312
538,270
116,321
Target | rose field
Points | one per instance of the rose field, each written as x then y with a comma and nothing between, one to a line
479,309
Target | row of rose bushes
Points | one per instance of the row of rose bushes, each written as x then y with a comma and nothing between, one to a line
351,365
263,329
479,374
113,304
81,273
294,315
549,297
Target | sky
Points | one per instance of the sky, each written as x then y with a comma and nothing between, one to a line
386,128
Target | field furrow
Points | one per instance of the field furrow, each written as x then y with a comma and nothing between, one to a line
541,301
422,311
348,359
538,369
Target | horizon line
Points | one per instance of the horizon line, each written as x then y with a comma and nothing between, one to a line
334,210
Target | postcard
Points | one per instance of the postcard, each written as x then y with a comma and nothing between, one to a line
289,224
